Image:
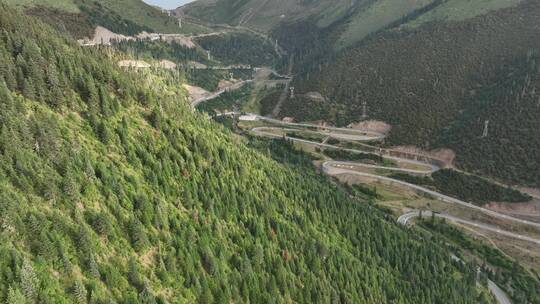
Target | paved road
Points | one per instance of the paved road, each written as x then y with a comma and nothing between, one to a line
338,167
235,86
405,219
500,295
375,136
335,168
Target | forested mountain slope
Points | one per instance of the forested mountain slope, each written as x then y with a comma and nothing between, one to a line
426,80
113,191
80,17
264,14
509,101
357,18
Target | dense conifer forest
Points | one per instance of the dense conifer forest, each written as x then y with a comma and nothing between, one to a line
112,190
510,104
244,48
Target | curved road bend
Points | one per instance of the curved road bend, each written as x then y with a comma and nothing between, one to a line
235,86
500,295
405,218
336,167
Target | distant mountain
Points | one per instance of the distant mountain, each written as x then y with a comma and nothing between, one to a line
265,14
80,17
420,65
439,79
359,18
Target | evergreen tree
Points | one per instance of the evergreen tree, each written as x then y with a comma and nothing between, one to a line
29,281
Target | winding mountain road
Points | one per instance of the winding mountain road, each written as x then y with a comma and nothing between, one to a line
498,293
335,168
407,217
214,95
429,166
339,167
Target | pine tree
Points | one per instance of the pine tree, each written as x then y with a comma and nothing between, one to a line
146,296
5,94
15,297
133,274
28,90
93,268
29,281
70,186
79,292
139,240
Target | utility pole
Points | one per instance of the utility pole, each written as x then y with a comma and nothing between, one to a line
486,129
364,110
235,118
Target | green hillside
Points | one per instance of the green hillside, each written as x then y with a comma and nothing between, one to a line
80,17
112,190
509,100
357,19
377,16
458,10
419,65
426,80
66,5
265,15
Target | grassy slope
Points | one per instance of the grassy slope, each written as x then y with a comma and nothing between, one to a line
135,11
66,5
457,10
382,13
361,18
268,14
113,189
144,14
376,17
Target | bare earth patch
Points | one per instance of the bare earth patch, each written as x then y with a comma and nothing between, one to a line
316,96
195,92
197,65
224,84
105,36
529,211
445,155
167,64
138,64
372,125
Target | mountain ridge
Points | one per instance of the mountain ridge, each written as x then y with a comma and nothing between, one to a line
79,18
